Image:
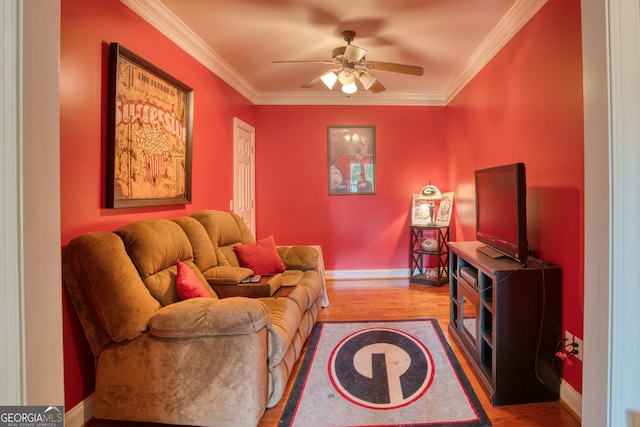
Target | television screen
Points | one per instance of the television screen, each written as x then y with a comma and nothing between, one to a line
501,221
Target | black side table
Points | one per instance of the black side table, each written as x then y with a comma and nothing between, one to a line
429,255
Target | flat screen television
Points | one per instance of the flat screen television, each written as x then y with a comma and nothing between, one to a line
501,211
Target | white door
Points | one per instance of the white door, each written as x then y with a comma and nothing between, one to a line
244,172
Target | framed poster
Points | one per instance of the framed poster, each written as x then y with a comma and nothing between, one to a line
351,155
149,134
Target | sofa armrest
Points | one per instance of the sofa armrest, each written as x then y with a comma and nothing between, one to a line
299,257
199,317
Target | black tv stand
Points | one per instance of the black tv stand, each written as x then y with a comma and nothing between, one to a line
507,319
490,252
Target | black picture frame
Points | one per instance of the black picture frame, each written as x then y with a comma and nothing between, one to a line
351,160
149,134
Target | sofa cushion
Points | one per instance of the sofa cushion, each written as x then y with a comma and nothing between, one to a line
286,318
261,257
204,254
154,246
291,277
224,228
308,289
188,284
299,257
227,256
98,269
226,275
207,317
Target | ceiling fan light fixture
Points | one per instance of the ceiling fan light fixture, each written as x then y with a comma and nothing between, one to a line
350,88
345,76
366,79
329,79
354,53
351,59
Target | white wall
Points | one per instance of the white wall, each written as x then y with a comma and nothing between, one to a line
596,243
31,362
10,299
611,372
43,357
624,93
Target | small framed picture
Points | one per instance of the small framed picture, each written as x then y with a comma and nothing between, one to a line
352,161
445,209
420,212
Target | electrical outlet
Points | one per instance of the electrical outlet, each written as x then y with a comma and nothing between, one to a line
573,339
568,337
580,349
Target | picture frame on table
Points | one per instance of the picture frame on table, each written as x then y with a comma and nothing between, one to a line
149,134
445,210
420,211
351,160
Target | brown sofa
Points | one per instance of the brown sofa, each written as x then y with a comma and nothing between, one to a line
202,361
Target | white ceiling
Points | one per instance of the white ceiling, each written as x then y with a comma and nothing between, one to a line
238,40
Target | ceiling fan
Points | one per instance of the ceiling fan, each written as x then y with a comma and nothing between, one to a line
353,66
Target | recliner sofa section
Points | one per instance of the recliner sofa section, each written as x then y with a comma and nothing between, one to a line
202,361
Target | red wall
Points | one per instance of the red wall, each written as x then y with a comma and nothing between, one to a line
355,231
526,105
87,27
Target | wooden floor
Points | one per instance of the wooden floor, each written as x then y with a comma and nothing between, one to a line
397,299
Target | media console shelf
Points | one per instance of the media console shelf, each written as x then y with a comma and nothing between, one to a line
507,319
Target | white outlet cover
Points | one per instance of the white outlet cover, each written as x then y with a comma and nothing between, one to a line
579,348
568,336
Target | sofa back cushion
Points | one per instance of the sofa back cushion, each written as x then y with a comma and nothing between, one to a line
111,300
155,246
204,254
225,229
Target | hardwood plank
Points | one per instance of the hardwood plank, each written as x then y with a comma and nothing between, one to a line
398,299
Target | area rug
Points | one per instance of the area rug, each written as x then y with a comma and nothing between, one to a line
382,373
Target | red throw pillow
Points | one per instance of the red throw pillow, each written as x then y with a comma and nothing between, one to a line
188,284
261,256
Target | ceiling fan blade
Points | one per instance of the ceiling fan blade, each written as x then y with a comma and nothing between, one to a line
304,62
311,82
414,70
377,87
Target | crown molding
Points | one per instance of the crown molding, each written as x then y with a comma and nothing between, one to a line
162,19
513,21
359,98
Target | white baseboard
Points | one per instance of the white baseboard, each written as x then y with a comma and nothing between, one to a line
571,398
80,414
397,273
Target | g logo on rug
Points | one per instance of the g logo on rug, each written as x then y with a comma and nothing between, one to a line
381,368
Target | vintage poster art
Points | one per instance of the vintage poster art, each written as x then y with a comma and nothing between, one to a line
351,154
149,134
